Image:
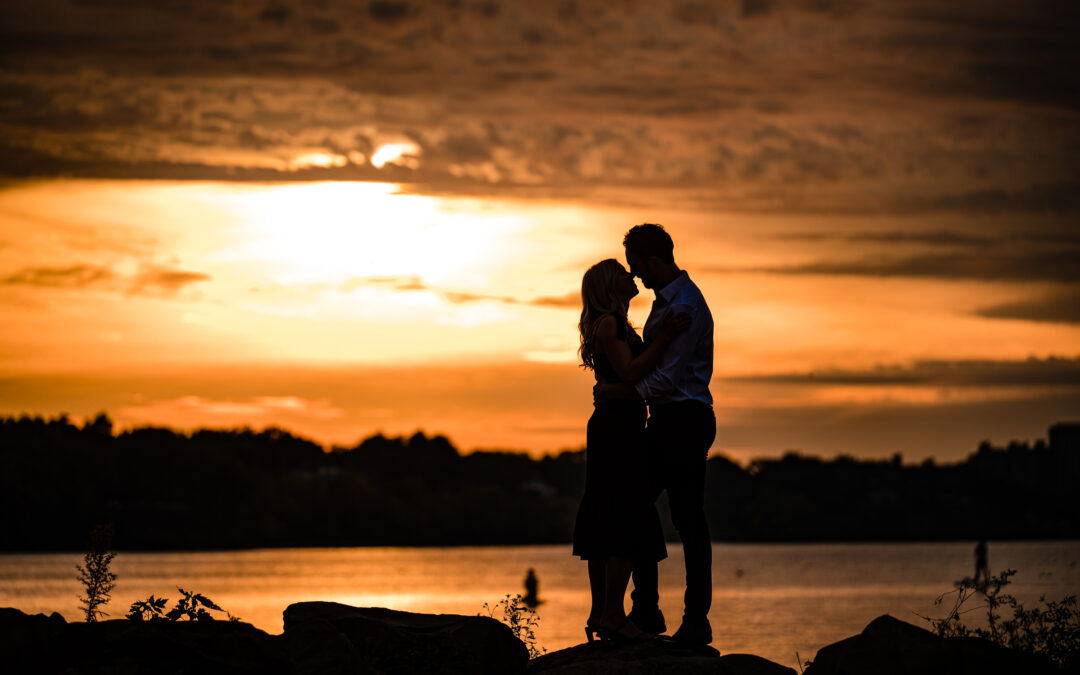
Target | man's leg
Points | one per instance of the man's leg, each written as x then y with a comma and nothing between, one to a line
646,613
689,432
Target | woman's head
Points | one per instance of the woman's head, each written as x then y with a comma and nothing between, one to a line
606,288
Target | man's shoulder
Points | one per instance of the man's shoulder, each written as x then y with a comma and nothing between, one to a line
689,294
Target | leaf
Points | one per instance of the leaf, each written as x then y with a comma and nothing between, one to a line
207,602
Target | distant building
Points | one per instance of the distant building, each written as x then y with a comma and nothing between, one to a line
1065,436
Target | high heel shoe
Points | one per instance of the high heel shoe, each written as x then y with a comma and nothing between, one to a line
591,631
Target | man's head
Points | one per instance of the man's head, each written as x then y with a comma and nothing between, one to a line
649,253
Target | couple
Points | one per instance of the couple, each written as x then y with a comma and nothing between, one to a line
630,461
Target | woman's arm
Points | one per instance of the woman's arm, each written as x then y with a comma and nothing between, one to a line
626,365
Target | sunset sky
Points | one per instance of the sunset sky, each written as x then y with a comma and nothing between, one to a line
349,217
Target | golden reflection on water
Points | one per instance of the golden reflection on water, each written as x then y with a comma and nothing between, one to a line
769,599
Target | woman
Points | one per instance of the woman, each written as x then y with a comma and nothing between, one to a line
616,521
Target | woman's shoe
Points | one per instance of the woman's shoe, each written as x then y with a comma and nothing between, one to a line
592,630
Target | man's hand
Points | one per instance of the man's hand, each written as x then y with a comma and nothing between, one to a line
603,391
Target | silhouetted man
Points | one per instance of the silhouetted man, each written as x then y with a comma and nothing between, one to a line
680,431
532,587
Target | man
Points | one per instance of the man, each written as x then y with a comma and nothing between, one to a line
680,431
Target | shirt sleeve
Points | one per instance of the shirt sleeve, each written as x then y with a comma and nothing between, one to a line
662,380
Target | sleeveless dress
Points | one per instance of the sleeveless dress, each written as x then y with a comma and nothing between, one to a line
615,516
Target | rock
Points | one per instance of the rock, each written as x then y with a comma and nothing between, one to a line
608,658
196,647
316,647
29,643
44,645
390,642
888,646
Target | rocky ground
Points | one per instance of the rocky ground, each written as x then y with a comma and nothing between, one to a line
324,638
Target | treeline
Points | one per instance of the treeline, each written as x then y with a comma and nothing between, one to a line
212,489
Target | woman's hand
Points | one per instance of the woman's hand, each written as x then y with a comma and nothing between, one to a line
674,325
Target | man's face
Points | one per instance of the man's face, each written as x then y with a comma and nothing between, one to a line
640,268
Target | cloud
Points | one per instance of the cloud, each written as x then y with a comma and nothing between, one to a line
569,300
74,276
149,279
1058,307
931,238
1033,372
390,12
234,411
948,432
745,106
413,283
406,283
561,301
1040,265
1003,62
163,279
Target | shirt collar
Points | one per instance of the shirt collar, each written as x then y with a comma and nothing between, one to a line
665,294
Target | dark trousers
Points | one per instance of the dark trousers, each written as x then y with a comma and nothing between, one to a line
679,436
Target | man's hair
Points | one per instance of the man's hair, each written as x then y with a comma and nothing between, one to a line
648,240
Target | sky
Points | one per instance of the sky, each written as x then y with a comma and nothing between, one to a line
343,218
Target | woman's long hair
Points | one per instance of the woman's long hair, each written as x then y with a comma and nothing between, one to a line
598,297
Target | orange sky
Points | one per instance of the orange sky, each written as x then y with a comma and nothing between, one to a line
365,217
214,304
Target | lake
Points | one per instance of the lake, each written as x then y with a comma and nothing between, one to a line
769,599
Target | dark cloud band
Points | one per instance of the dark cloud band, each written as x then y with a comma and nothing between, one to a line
1049,372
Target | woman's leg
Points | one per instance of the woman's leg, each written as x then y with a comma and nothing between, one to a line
617,576
614,621
597,582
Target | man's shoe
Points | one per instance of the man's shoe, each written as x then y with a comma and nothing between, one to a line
691,634
649,620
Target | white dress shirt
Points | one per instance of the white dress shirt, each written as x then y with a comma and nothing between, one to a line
685,369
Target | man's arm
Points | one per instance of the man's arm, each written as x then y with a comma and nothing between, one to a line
605,391
673,363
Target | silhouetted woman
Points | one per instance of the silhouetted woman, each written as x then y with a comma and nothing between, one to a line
616,521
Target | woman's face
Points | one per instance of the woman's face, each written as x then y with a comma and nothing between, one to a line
625,286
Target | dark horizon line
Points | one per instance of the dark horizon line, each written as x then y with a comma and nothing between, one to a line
762,542
332,448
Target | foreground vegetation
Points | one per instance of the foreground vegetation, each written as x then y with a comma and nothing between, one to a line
1052,630
163,489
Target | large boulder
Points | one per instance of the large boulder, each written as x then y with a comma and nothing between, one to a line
646,658
389,642
888,646
43,645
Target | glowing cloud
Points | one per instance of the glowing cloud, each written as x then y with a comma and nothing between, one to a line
317,159
403,154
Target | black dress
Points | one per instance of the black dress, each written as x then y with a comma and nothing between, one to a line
616,517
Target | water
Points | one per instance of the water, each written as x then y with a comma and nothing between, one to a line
769,599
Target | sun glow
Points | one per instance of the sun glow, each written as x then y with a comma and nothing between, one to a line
338,233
